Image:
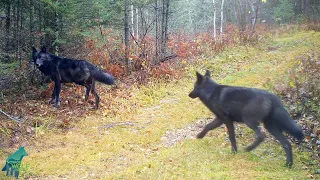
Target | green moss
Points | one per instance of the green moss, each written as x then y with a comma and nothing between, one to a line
7,68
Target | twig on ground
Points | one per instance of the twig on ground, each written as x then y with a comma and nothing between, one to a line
11,117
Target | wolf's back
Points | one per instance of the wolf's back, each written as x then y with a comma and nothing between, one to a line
99,75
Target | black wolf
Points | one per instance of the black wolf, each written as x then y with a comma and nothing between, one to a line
249,106
63,70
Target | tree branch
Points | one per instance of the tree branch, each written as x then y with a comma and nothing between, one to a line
11,117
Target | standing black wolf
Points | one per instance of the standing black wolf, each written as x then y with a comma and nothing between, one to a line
63,70
249,106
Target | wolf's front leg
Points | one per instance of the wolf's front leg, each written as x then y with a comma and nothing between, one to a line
284,142
214,124
57,93
232,136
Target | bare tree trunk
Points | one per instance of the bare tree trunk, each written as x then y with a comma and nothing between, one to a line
31,15
19,35
137,25
221,26
166,25
254,15
214,19
16,28
126,33
105,42
56,32
164,28
40,14
157,28
192,27
240,10
307,9
132,24
163,24
7,26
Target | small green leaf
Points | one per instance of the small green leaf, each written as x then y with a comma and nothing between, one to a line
291,84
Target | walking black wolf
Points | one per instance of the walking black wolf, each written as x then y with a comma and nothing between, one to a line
249,106
63,70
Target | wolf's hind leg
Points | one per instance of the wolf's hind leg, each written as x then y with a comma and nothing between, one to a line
214,124
94,92
260,136
277,133
88,88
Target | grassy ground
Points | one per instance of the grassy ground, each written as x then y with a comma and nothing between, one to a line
130,144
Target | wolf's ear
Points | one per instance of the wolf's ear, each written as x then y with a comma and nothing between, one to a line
43,49
207,73
199,77
34,50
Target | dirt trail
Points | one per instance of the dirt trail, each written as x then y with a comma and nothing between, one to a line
173,137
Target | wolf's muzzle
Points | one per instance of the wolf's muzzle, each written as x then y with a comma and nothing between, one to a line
192,95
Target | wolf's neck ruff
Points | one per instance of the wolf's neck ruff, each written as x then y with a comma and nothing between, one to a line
208,91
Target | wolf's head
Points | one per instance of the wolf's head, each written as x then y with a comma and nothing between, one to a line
40,57
203,87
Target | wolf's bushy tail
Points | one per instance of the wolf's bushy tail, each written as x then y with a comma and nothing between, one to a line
101,76
283,120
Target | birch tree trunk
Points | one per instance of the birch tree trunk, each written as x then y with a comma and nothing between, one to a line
132,25
126,33
254,15
157,37
137,25
214,19
221,26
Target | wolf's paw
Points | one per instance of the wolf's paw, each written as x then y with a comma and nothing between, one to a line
51,101
200,135
234,151
57,104
289,164
249,148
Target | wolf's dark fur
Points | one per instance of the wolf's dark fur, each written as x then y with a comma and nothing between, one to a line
63,70
249,106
